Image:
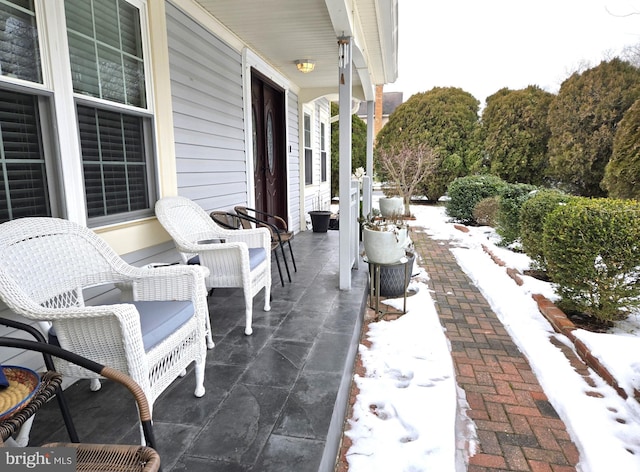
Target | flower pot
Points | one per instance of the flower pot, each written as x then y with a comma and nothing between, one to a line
391,206
385,246
394,279
320,220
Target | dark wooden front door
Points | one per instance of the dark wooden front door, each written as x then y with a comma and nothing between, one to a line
269,152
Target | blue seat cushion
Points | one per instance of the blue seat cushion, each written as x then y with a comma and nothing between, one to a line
158,319
257,255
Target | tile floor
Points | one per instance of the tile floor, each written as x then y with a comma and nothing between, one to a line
274,401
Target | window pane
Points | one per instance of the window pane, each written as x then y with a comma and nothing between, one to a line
84,68
110,73
107,29
23,184
308,167
307,130
113,156
105,48
19,52
323,166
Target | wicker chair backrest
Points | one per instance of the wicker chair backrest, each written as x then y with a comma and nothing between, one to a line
50,261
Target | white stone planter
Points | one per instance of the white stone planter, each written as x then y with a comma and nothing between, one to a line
390,206
385,247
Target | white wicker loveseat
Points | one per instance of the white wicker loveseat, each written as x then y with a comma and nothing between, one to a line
235,258
48,264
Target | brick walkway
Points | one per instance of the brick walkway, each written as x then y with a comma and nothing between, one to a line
517,428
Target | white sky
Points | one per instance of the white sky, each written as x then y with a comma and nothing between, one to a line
483,46
404,415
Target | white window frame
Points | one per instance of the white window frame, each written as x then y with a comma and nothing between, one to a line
63,153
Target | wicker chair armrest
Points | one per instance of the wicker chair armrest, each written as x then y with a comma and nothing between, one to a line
256,237
176,282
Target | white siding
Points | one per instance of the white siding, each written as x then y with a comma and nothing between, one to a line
318,195
206,89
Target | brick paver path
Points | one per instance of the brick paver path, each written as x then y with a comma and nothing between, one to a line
517,427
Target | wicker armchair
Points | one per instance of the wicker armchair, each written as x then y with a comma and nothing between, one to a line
235,258
46,264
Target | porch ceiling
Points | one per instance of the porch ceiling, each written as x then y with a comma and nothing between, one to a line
281,31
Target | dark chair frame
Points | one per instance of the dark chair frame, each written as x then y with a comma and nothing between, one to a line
48,350
245,222
275,223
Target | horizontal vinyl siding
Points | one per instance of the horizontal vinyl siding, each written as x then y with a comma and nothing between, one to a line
206,89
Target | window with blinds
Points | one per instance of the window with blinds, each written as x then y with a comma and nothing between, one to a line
19,52
113,160
308,152
323,153
23,182
105,48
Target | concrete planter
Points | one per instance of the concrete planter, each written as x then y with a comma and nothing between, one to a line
385,246
391,206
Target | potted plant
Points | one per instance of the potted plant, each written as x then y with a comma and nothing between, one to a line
320,217
385,240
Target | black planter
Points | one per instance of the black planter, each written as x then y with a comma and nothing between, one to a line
392,277
320,220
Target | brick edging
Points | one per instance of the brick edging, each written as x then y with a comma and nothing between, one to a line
563,325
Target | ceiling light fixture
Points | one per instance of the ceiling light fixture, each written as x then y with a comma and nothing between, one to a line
305,65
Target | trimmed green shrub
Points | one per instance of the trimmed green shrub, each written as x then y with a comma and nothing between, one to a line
592,249
486,211
465,193
533,214
512,196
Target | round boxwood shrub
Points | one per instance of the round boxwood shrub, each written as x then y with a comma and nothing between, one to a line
486,211
592,249
512,196
465,192
533,214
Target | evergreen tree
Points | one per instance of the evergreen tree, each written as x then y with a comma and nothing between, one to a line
446,120
358,147
583,118
516,134
622,174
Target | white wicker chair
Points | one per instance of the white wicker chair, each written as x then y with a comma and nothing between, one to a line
45,266
229,262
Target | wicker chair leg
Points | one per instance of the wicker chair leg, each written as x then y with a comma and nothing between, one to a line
248,310
199,371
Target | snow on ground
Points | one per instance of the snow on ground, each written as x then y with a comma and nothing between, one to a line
404,417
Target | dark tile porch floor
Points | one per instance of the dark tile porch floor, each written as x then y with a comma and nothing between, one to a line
275,401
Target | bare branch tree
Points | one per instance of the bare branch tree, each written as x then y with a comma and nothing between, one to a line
406,165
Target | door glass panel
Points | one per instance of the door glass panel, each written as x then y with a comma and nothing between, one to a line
254,121
270,143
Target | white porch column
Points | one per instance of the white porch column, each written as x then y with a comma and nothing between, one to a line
367,195
344,102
